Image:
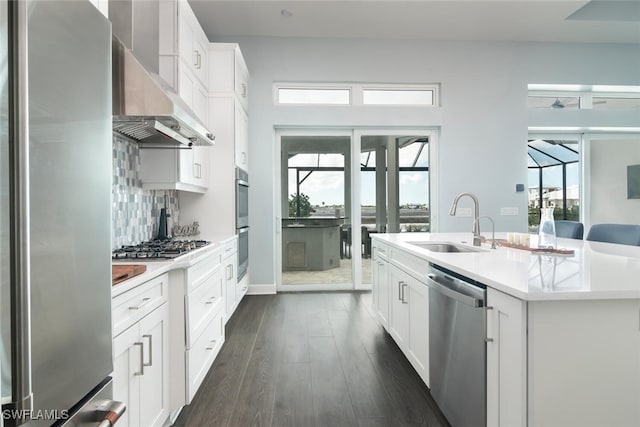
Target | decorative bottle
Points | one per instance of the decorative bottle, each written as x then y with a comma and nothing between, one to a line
547,229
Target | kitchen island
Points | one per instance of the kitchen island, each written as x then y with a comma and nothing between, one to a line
562,332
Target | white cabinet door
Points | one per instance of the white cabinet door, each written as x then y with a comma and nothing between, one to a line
241,137
419,328
186,86
399,315
241,80
200,103
141,370
381,270
506,360
127,365
154,383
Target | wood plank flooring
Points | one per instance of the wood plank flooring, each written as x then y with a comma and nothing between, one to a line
310,359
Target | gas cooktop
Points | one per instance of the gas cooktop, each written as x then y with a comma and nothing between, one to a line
157,249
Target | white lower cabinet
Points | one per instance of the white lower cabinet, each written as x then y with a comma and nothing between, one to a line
409,319
197,306
380,271
419,328
506,360
141,363
230,265
399,316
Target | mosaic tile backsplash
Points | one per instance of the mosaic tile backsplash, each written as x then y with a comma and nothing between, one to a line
135,211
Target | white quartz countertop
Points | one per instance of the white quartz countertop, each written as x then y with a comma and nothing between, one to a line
156,268
596,270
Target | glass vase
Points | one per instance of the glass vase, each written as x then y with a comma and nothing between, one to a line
547,229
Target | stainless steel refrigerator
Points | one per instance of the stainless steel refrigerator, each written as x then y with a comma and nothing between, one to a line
55,187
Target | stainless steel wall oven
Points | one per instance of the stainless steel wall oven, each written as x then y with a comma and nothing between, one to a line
242,198
242,221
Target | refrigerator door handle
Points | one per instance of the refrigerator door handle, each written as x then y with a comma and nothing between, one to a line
21,389
111,413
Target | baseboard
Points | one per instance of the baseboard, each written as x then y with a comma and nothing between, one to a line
261,289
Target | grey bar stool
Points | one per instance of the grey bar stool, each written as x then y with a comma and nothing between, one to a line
569,229
623,234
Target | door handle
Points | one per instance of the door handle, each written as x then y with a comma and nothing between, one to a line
486,327
400,290
141,345
110,412
403,287
150,338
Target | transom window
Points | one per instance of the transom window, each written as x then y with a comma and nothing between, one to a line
356,94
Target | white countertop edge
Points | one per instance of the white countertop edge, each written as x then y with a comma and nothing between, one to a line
157,268
465,239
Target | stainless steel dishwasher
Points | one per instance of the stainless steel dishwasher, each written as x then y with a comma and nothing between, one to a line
457,350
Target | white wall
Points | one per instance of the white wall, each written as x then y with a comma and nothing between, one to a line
483,118
608,196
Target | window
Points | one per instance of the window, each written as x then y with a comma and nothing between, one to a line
554,178
392,96
355,94
310,96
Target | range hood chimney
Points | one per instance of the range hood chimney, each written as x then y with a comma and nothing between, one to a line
145,107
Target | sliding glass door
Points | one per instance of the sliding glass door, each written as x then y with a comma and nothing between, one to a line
337,189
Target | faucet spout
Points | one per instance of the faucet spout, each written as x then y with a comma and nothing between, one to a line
476,224
493,230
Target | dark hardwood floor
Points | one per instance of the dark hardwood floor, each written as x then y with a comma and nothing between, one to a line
310,359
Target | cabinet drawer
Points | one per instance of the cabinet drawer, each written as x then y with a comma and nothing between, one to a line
412,264
201,355
380,251
229,248
201,304
198,273
131,306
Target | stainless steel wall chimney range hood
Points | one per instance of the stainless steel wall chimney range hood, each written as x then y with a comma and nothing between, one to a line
147,110
145,107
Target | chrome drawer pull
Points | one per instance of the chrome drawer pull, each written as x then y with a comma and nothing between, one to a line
211,300
150,363
141,345
144,302
486,321
213,345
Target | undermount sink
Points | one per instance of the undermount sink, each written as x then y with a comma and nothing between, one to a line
445,247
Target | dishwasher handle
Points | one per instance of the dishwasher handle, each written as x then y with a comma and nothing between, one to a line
447,291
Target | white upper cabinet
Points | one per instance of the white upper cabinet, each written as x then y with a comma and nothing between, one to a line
183,55
192,42
229,91
228,72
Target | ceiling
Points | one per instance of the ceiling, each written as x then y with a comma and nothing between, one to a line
580,21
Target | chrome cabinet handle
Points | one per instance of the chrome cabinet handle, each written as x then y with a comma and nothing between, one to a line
150,337
213,345
403,287
400,290
144,302
486,321
210,300
197,170
244,90
141,345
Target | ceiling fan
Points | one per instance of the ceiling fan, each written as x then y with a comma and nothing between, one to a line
558,104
